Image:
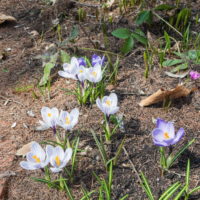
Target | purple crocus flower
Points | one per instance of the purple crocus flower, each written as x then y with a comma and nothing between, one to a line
97,60
194,75
82,62
164,133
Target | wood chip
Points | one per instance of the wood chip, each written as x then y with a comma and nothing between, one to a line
6,18
161,95
24,150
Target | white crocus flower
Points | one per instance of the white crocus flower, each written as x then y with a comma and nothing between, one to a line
81,73
36,158
69,120
108,105
58,158
95,74
70,69
50,118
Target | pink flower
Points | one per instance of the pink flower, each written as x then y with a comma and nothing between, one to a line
194,75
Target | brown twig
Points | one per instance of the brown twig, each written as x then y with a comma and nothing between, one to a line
132,165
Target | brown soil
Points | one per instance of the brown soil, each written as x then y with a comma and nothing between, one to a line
20,68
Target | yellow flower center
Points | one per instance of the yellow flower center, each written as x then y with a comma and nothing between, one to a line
108,102
166,135
81,71
49,114
94,74
57,159
37,160
67,120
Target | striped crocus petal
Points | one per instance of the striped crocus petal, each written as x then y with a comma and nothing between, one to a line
59,158
36,158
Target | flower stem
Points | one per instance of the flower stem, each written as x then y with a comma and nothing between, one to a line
163,158
107,128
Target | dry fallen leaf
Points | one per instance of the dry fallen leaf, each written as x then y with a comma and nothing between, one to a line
161,95
6,18
24,150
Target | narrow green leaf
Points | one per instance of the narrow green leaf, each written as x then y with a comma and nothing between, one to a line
164,7
122,33
194,190
167,39
74,155
64,57
128,45
101,148
47,69
144,16
169,62
180,67
146,187
171,192
181,151
119,150
187,177
180,194
123,198
68,191
171,188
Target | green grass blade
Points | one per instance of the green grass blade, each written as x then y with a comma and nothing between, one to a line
123,198
119,150
101,148
194,190
187,178
181,151
68,191
74,155
146,187
170,192
180,193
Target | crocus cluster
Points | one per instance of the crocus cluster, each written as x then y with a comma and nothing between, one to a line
194,75
37,158
77,69
52,118
164,133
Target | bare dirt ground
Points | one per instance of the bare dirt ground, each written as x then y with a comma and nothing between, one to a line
19,68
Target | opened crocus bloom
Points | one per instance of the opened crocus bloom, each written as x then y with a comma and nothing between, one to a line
69,120
50,118
58,158
81,73
97,60
95,74
70,69
108,105
164,133
36,158
194,75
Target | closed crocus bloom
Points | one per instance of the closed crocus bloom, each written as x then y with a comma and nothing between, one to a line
70,69
69,120
164,133
36,158
97,60
58,157
108,105
95,74
50,117
82,62
194,75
